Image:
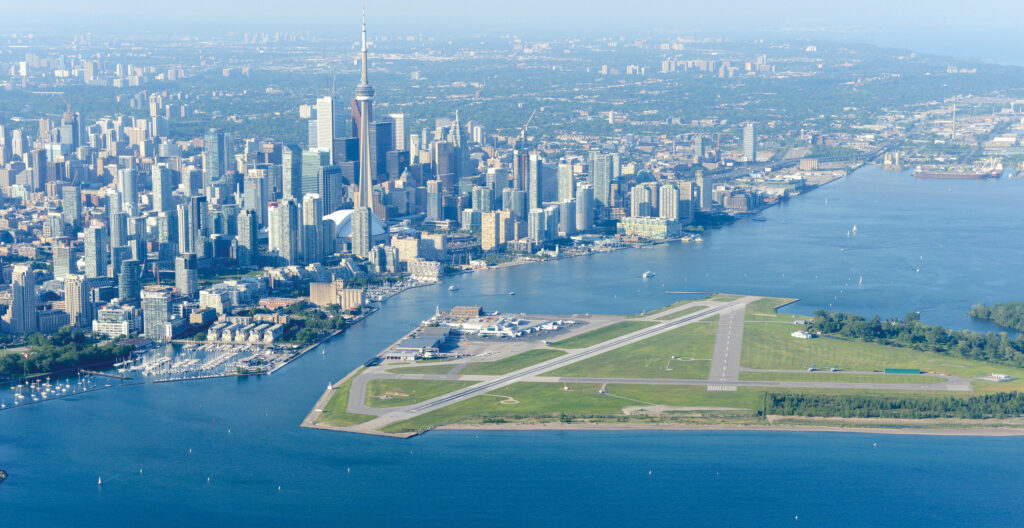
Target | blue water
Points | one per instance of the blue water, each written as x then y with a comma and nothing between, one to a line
967,232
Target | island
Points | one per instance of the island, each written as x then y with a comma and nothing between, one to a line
723,361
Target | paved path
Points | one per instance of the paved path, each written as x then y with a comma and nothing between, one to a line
725,363
399,414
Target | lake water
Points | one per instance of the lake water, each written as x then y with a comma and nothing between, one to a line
934,246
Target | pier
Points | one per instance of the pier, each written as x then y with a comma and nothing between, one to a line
104,374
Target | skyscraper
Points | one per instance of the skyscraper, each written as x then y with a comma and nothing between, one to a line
537,225
567,218
155,308
127,187
668,202
325,132
61,260
291,171
71,203
749,143
705,184
246,238
283,230
312,161
361,228
95,252
118,229
185,275
361,232
21,317
566,183
330,188
398,130
128,284
312,229
255,196
193,226
163,184
640,201
584,207
535,184
601,178
76,300
434,204
213,157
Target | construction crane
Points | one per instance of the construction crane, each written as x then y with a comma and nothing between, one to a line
62,98
527,125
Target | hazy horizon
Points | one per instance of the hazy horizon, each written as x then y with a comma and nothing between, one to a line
945,27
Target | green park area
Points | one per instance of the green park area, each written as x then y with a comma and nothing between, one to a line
514,363
767,344
399,392
681,353
605,333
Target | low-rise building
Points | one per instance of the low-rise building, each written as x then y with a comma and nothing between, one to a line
649,227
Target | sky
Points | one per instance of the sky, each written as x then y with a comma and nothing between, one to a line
983,29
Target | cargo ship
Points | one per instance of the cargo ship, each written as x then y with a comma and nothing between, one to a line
956,174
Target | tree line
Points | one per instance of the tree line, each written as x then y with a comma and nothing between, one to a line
65,349
995,405
910,332
1009,315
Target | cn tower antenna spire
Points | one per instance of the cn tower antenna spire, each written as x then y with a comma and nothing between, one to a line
364,80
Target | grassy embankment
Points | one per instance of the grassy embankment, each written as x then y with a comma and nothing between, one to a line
335,412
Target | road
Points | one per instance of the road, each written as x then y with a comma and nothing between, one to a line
725,363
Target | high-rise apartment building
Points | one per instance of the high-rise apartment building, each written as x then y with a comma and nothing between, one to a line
750,143
21,317
246,238
566,182
77,301
312,229
95,252
214,157
186,278
155,314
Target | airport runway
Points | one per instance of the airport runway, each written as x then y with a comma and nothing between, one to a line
725,363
